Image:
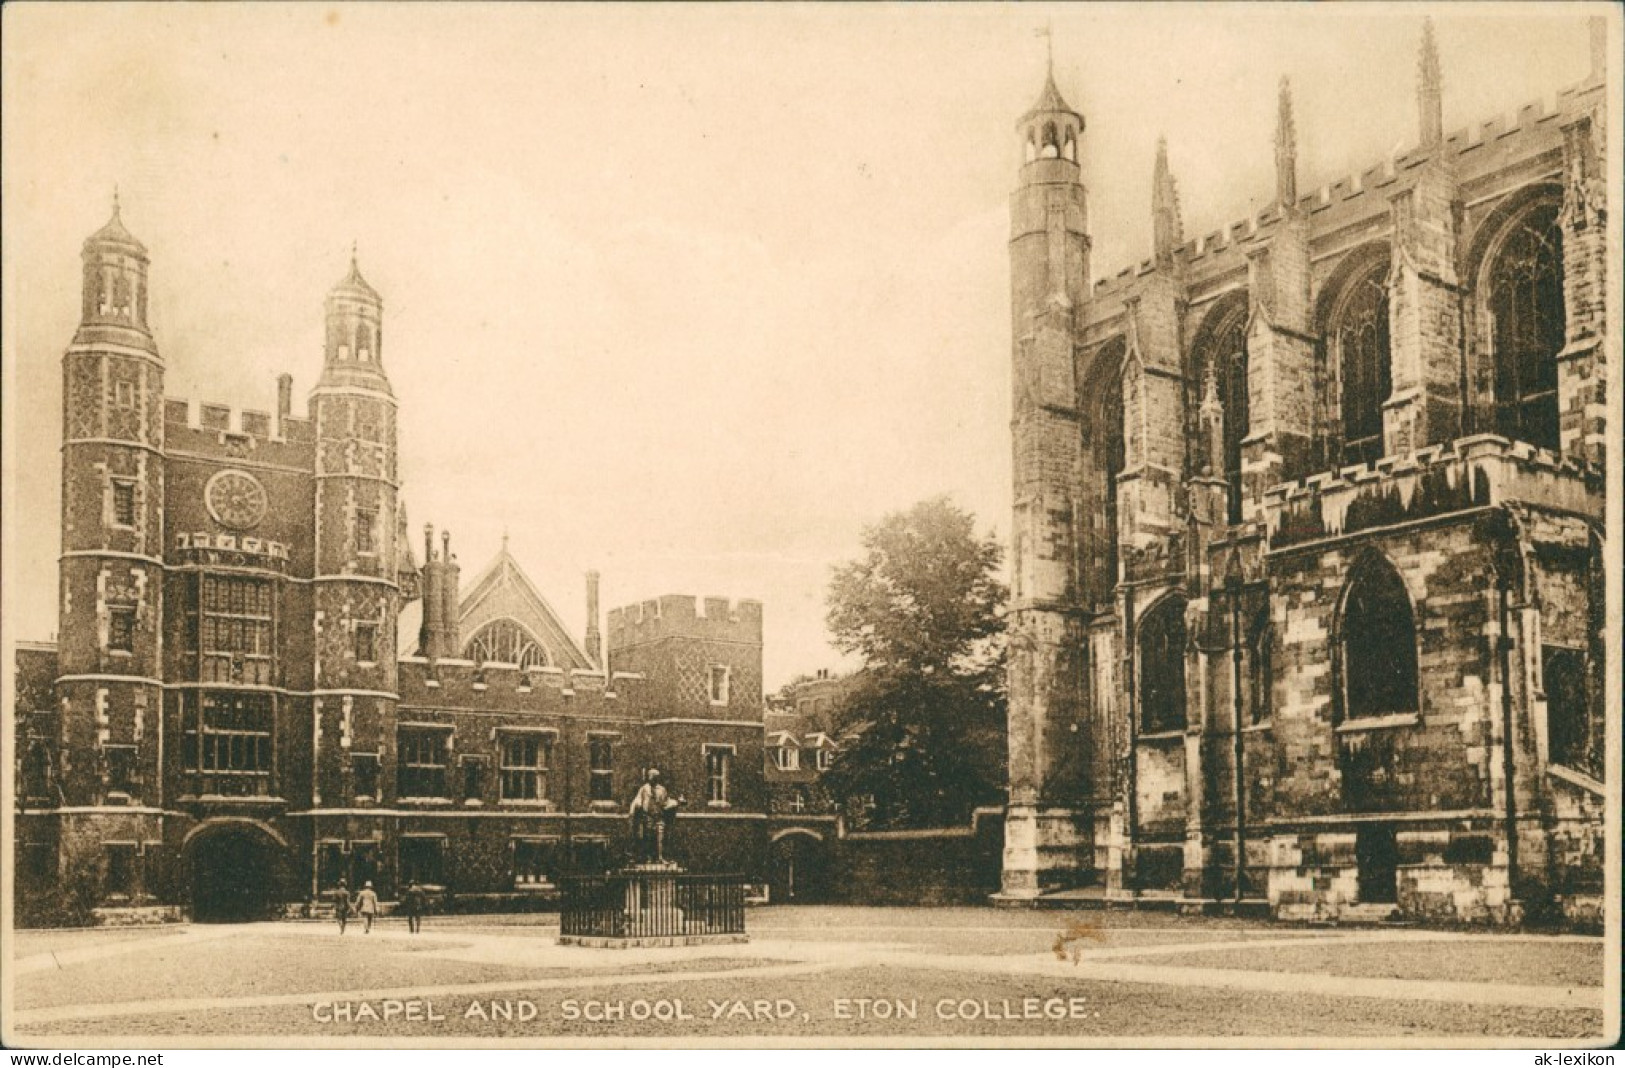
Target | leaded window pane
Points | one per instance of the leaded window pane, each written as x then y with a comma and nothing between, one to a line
1379,645
1526,305
1366,373
1162,668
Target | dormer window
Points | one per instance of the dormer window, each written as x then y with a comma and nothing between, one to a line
787,758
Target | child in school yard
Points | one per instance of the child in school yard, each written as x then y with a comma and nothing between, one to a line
366,903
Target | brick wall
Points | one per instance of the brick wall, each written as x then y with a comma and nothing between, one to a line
959,866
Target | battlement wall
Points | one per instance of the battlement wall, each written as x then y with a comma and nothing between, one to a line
685,616
182,414
1477,151
499,687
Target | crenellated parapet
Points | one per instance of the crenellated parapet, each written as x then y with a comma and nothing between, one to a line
222,421
1470,473
684,616
492,687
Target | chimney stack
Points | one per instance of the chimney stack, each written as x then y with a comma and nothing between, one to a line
451,607
430,632
594,641
284,402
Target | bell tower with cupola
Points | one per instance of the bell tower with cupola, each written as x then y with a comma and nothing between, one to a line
1049,281
109,692
357,596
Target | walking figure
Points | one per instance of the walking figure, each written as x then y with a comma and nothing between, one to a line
340,896
412,905
366,903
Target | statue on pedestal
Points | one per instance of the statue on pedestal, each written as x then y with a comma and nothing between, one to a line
654,813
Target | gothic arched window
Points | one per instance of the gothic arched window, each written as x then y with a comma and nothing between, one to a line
1378,644
1162,667
1360,334
504,641
1260,670
1526,307
1052,141
1224,350
1568,724
1108,453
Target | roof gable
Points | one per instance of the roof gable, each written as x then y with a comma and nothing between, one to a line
504,591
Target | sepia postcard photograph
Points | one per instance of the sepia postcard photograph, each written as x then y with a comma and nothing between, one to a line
810,525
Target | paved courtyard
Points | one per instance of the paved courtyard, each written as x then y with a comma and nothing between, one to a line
810,973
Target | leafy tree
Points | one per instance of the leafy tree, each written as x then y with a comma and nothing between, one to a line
922,726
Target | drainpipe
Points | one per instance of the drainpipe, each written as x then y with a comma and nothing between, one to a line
1504,644
564,737
1131,688
1232,584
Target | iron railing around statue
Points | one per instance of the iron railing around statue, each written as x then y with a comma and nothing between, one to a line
637,904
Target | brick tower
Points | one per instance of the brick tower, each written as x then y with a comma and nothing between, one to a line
357,594
110,689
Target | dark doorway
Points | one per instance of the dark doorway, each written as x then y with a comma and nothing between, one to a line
799,868
235,875
1377,854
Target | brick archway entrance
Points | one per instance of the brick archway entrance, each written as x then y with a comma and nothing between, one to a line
236,872
799,868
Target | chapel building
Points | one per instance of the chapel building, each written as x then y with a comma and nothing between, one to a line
1307,562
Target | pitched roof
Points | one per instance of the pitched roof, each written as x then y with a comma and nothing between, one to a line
504,591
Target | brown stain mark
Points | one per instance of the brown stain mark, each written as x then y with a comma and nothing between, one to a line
1067,943
332,17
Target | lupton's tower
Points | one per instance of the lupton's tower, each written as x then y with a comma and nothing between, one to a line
1045,834
357,594
109,688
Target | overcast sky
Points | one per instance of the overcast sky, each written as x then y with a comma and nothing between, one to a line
688,295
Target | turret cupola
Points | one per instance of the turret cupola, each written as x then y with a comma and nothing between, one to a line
114,305
1050,130
355,332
